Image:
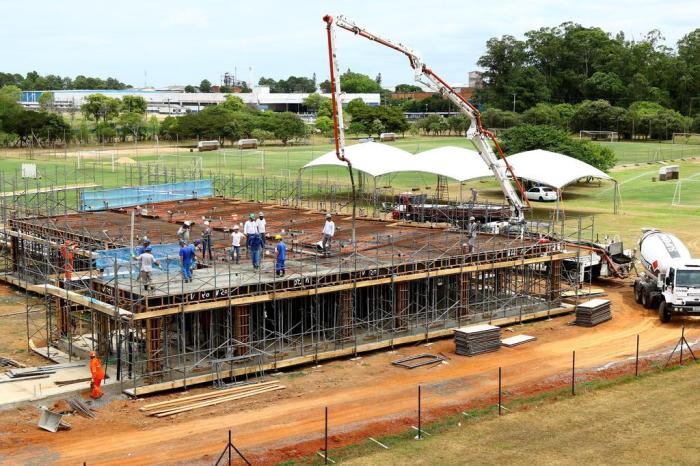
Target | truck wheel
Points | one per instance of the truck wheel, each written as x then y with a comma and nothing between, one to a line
664,312
638,294
647,302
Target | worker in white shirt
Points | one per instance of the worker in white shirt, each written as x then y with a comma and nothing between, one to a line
184,231
146,262
472,231
250,229
261,224
328,234
236,237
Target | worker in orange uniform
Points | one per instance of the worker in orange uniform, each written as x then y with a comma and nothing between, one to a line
98,374
68,253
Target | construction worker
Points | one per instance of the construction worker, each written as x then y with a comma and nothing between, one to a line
261,223
236,237
250,229
472,230
475,194
206,241
98,375
280,256
184,231
255,248
146,262
68,253
328,234
141,248
186,259
193,250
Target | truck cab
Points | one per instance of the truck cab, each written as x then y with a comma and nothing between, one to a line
680,289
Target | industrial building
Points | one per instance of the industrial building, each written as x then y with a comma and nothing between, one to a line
177,103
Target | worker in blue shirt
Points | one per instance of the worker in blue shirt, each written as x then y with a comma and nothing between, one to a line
280,256
142,248
255,248
186,260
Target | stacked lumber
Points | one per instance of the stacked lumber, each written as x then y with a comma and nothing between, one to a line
517,340
593,312
477,339
189,403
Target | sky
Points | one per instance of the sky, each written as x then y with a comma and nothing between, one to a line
160,42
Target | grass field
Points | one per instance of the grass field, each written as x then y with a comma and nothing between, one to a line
626,421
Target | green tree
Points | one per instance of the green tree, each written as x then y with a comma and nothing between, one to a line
134,104
190,89
597,115
99,105
132,124
356,128
324,125
314,101
46,101
262,135
234,103
205,86
358,83
288,126
407,88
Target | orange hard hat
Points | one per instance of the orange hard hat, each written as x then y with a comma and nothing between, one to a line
92,354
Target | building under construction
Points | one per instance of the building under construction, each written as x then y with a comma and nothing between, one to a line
400,282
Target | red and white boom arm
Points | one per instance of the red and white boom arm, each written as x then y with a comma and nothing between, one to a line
477,134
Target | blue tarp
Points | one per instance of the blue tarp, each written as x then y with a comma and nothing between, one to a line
167,254
103,199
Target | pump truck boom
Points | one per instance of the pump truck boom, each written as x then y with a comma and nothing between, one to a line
477,134
671,280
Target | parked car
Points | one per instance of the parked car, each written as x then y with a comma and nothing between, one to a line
541,193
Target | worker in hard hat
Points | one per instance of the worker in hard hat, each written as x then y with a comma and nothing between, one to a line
184,231
328,234
472,230
255,248
98,374
250,229
280,256
261,223
142,247
236,237
68,253
186,260
206,241
146,262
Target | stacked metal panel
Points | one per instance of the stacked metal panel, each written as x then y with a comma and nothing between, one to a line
477,339
593,312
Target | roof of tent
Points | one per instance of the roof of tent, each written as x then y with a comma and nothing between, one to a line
457,163
380,159
370,157
552,169
541,166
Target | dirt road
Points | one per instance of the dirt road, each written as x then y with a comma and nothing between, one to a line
365,397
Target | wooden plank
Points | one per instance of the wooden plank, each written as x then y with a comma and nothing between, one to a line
268,297
334,354
217,401
203,396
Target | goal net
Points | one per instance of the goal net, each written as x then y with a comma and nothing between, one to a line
686,138
598,135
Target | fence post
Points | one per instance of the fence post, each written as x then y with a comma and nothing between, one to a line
325,440
573,373
229,447
680,359
636,359
500,393
419,426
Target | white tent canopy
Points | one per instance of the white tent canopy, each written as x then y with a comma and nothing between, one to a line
370,157
541,166
457,163
380,159
552,169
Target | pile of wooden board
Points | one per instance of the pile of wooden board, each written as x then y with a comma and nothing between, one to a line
593,312
477,339
188,403
517,340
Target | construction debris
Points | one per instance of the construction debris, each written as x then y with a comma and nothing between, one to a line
477,339
32,372
411,362
52,421
7,362
80,407
188,403
517,340
593,312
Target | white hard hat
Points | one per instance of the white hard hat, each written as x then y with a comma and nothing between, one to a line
471,219
261,214
328,215
235,227
206,222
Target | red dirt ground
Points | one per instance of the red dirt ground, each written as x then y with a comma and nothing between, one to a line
365,397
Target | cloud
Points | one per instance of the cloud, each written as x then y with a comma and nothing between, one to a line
187,16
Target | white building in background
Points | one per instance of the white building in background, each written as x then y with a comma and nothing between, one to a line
176,102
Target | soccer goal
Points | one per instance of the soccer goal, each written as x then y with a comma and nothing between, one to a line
610,136
686,138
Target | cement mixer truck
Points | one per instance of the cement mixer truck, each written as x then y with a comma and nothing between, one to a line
671,279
